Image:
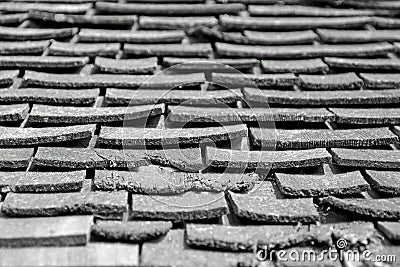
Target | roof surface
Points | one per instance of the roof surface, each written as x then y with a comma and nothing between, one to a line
199,133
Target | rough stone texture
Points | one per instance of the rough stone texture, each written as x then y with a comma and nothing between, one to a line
115,136
367,115
31,47
325,98
266,159
185,207
369,158
127,66
49,96
248,238
112,80
274,23
22,34
317,185
134,231
171,50
188,160
84,158
295,66
88,50
289,139
229,80
15,158
363,63
94,254
95,20
390,229
84,115
177,97
16,112
51,231
262,204
343,81
106,204
163,180
221,115
386,182
381,80
127,36
169,9
173,23
303,51
385,208
39,62
33,136
354,36
39,182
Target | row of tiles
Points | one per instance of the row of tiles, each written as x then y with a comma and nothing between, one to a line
43,114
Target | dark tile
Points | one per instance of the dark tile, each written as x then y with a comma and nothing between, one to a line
369,158
254,80
367,115
363,63
50,231
22,34
169,50
133,231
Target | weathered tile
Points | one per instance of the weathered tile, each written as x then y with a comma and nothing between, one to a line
82,49
171,50
125,158
230,80
161,254
130,66
112,80
83,115
325,98
46,204
133,231
49,96
390,229
15,158
290,139
50,231
262,204
38,182
384,208
367,115
160,180
363,63
11,33
13,136
94,254
185,159
369,158
127,36
116,136
173,23
8,76
357,36
95,20
280,38
342,81
106,204
321,185
303,51
302,23
384,181
295,66
185,207
169,9
39,62
177,97
49,7
217,64
211,114
266,159
30,47
15,112
13,18
381,80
